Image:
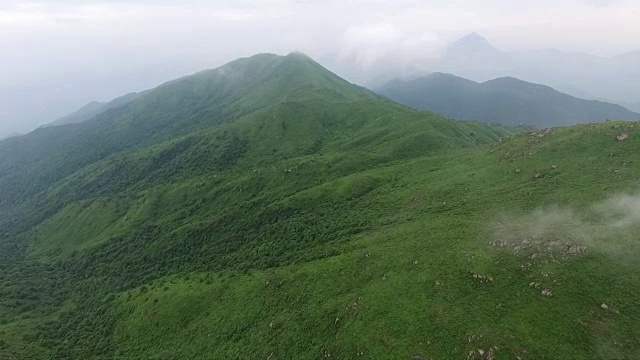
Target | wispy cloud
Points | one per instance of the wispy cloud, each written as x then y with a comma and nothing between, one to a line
609,226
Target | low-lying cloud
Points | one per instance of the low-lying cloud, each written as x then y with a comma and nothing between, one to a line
611,226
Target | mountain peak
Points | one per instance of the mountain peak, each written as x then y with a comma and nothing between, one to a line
473,36
298,54
472,43
442,75
512,83
262,63
441,79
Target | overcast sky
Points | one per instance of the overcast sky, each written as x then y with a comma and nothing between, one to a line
59,55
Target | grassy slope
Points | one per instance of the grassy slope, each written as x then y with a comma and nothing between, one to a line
405,286
93,109
225,196
345,137
321,223
33,163
83,114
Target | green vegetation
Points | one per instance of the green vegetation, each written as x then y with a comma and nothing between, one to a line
507,101
94,109
271,210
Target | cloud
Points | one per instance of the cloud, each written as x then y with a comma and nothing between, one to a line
609,227
371,44
602,3
104,13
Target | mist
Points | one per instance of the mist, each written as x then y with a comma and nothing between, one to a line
609,227
60,55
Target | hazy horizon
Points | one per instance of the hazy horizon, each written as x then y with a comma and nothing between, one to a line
65,54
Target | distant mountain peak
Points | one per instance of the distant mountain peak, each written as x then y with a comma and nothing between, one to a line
445,78
472,43
513,83
474,36
506,79
298,54
438,74
441,76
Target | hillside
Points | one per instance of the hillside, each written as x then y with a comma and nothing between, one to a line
506,101
81,115
269,209
93,109
10,136
173,109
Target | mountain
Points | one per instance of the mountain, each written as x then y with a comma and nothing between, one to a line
471,45
632,106
93,109
474,57
506,101
10,136
631,58
270,209
83,114
474,54
579,93
173,109
254,140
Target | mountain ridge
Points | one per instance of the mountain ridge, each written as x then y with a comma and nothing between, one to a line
270,209
505,100
605,77
168,110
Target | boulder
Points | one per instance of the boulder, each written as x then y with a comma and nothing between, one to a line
622,137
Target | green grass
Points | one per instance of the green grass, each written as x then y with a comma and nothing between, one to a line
332,223
434,221
79,226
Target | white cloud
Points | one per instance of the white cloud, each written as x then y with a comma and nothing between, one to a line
374,43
